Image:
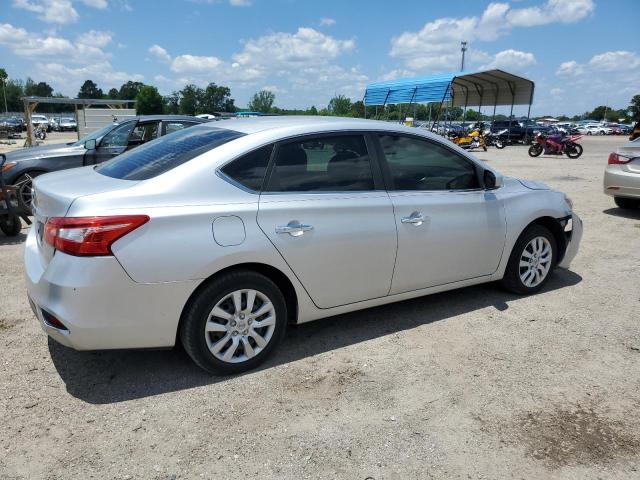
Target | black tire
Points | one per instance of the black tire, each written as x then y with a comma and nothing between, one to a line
11,226
511,280
196,314
500,144
535,150
573,150
630,203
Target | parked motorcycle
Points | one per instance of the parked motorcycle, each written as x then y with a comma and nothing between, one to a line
40,132
471,140
556,145
498,139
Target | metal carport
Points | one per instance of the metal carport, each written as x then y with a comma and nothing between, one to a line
488,88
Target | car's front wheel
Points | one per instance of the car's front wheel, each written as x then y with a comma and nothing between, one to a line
234,323
531,262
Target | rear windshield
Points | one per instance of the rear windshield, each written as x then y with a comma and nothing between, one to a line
161,155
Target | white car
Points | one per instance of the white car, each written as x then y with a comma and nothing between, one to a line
220,235
40,121
594,130
622,175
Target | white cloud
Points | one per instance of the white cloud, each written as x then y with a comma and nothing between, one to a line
95,38
570,68
615,61
553,11
102,73
437,45
50,11
100,4
160,53
240,3
327,22
195,64
511,60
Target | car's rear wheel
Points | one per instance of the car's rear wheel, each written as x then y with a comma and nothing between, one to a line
234,323
11,225
531,262
624,202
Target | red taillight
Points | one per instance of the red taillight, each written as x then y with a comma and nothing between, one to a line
616,159
89,236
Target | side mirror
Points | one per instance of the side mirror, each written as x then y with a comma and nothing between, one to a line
90,144
492,180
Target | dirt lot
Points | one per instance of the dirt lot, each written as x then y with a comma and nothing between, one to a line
475,383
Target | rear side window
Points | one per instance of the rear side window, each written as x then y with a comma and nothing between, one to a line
166,153
333,163
249,170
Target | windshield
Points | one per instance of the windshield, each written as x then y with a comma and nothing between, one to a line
167,152
95,135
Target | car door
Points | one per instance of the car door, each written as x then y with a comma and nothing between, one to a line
113,143
325,210
449,228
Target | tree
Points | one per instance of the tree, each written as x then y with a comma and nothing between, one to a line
3,79
130,90
634,108
40,89
15,91
262,101
89,89
149,101
190,99
113,94
312,111
357,109
339,106
172,103
216,98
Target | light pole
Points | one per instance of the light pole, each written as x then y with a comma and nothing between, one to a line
463,49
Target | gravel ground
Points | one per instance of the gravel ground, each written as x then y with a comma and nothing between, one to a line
475,383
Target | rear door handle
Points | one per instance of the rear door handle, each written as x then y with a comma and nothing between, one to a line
293,228
416,218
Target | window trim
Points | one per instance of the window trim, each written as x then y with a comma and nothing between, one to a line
386,172
234,182
376,173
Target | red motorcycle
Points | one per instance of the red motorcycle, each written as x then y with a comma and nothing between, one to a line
556,145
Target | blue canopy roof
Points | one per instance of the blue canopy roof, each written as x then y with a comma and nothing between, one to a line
492,87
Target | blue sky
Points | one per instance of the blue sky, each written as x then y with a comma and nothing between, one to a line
580,53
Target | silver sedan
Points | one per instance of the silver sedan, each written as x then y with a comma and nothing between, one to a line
622,175
220,235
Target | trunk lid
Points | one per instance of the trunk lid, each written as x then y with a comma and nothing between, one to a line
54,193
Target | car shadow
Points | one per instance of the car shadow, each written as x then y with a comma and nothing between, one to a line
116,376
20,238
623,213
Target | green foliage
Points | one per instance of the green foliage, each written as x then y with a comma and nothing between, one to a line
215,98
262,101
190,99
113,94
312,111
89,89
634,108
149,101
40,89
172,103
339,106
130,90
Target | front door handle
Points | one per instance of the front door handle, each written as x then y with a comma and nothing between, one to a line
415,218
293,228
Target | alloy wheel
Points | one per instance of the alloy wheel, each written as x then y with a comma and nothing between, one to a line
240,326
535,261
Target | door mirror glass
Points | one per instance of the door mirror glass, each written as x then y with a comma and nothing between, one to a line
492,181
90,144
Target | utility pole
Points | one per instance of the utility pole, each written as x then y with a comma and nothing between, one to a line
463,50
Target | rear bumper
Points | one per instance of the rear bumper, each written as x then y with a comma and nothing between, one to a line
573,242
619,183
100,306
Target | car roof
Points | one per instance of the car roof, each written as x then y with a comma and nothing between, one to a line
188,118
304,122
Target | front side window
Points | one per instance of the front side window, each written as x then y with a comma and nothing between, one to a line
249,170
416,164
143,133
118,137
166,153
332,163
